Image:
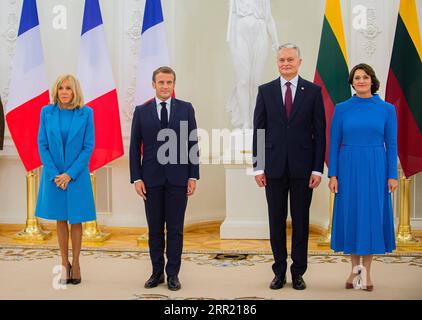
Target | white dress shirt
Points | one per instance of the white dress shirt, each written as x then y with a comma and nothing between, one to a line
159,107
293,86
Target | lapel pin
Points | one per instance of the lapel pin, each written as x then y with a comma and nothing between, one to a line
302,88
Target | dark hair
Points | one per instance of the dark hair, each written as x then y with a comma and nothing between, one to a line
163,69
370,72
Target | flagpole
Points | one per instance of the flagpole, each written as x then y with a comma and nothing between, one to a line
334,84
404,238
99,89
325,239
33,231
91,232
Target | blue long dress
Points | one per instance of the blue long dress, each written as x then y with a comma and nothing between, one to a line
363,156
65,117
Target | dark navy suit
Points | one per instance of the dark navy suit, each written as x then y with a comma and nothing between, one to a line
293,148
165,183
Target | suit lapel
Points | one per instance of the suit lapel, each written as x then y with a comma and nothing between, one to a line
173,111
154,113
276,91
76,125
300,93
53,120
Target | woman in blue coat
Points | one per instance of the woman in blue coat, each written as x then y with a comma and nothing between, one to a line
363,173
66,142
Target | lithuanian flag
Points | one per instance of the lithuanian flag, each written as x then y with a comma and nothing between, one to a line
404,87
331,71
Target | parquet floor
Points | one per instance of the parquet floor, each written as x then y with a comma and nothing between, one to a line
199,237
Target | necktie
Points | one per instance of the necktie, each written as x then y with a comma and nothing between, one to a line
164,116
288,101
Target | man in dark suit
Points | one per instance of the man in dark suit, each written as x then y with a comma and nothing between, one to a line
289,157
167,173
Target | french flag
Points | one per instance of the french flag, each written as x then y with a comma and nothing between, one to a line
28,91
153,52
97,84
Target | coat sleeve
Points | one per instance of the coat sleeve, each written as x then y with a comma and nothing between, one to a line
49,167
259,126
319,126
193,146
135,148
84,156
336,137
390,136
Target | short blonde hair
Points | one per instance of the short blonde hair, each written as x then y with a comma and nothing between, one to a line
78,99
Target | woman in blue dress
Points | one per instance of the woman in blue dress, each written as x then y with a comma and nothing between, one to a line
65,143
363,173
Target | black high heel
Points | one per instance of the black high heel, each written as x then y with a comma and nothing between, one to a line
66,281
75,280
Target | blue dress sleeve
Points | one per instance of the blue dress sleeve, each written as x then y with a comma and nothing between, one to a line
390,136
336,136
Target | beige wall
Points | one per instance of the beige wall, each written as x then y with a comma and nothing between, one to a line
196,32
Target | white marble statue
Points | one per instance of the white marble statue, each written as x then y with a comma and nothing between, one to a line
248,24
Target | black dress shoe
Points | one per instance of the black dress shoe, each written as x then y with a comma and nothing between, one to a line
278,283
298,283
173,283
154,280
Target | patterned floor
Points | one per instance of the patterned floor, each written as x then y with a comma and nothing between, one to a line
205,276
212,268
220,260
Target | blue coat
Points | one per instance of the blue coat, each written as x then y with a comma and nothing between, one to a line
76,203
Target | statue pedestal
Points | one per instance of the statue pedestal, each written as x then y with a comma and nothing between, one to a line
239,151
246,206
